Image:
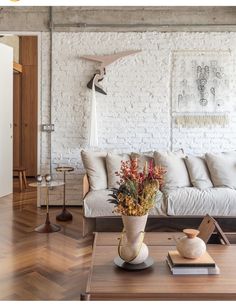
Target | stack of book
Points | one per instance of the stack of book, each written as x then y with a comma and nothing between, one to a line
202,265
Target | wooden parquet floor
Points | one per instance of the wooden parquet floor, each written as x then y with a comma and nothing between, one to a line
35,266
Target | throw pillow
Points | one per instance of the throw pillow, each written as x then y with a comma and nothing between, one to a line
95,166
113,163
198,172
142,159
176,171
222,168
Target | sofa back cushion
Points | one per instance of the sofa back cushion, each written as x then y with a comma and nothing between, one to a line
198,172
176,171
143,158
222,168
95,166
113,164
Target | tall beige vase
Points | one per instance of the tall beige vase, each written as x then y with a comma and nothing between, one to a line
131,248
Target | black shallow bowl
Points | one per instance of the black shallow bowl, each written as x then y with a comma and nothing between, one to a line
127,266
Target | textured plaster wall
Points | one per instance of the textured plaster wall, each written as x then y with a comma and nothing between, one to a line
136,113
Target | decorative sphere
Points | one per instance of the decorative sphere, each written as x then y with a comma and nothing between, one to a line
142,256
128,251
39,178
48,178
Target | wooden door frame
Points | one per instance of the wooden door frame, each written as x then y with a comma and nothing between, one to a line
39,37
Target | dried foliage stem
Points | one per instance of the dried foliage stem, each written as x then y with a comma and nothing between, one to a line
137,191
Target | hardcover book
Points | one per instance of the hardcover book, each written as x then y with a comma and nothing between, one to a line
193,270
177,260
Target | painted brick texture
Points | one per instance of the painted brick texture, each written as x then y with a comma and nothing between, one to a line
136,114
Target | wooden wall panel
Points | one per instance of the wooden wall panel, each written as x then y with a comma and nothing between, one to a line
29,119
29,96
29,50
16,120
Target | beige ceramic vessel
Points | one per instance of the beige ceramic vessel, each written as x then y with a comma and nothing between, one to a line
134,248
191,246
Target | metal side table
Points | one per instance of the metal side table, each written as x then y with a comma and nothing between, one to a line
47,227
65,215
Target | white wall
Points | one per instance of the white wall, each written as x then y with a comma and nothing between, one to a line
6,115
12,41
135,115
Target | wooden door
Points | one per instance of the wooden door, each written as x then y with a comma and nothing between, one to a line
29,100
17,120
6,118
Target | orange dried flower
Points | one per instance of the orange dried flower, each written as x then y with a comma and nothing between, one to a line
138,190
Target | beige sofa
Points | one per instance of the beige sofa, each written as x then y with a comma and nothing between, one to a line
194,187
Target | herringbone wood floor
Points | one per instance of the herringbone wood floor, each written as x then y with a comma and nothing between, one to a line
36,266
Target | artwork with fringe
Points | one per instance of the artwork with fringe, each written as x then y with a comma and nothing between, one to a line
201,88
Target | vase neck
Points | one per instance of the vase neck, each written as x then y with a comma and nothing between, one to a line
191,233
134,226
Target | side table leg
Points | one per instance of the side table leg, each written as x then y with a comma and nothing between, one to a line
85,297
20,180
65,215
47,227
24,179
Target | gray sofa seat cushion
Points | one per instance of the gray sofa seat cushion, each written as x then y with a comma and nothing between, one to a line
191,201
96,204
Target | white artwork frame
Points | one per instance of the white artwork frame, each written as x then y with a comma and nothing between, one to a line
200,82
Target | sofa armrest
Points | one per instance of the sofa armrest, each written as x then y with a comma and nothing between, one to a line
86,186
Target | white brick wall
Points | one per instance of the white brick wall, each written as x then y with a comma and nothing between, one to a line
135,114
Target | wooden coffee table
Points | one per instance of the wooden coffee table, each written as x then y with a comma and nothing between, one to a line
108,282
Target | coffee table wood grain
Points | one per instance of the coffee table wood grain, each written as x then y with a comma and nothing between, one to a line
108,282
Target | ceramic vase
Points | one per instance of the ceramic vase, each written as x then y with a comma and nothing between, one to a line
191,246
132,249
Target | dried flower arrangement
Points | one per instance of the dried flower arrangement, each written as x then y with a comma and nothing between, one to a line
137,192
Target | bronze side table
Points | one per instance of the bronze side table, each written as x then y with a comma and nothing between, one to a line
47,227
65,215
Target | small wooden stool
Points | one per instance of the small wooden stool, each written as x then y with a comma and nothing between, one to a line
22,177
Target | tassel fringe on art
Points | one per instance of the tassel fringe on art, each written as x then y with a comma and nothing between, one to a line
201,120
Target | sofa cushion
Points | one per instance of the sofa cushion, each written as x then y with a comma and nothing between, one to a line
194,202
176,171
222,168
95,166
142,158
198,172
113,164
96,205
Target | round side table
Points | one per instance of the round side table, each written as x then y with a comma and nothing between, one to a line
47,227
65,215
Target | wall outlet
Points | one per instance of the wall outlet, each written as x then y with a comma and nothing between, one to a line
47,127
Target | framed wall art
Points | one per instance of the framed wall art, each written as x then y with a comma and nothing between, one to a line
200,85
